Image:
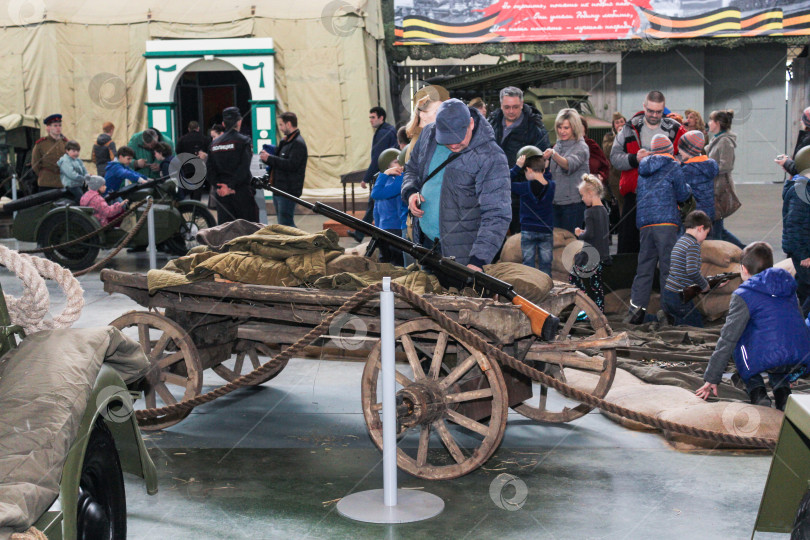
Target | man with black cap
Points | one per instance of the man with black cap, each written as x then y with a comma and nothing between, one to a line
47,152
229,171
457,186
143,144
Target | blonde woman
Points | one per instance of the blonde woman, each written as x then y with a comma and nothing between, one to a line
568,162
423,114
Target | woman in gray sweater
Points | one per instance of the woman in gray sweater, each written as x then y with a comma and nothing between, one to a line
568,162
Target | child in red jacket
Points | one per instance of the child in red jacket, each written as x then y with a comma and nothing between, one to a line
94,198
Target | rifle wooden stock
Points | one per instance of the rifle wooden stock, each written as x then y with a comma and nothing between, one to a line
537,315
693,290
543,323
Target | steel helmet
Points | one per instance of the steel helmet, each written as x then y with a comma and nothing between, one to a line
401,157
386,157
529,151
802,161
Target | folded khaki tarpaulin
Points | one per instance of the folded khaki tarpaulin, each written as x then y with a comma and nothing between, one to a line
44,387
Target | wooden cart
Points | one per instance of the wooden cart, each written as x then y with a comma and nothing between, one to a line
453,400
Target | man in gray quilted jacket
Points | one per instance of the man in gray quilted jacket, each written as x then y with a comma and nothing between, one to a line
466,205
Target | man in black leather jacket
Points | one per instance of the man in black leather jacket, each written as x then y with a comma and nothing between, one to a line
289,167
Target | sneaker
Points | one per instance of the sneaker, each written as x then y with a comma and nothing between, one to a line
759,396
636,315
780,397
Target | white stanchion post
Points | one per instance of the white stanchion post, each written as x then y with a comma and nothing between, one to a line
389,505
14,189
150,226
389,401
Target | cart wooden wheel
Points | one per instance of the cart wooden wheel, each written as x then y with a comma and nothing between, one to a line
176,372
256,352
591,373
451,402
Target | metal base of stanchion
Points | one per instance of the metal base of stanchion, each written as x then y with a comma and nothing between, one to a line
369,506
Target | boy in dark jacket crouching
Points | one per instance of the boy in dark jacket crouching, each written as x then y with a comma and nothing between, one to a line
764,332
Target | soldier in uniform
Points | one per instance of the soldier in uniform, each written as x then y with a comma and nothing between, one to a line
47,152
229,171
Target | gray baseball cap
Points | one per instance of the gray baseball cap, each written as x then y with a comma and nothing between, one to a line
452,122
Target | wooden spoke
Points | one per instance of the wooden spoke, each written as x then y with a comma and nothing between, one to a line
164,394
143,338
468,423
159,347
469,396
448,440
424,443
151,402
569,359
402,379
254,358
478,402
413,357
240,363
569,323
171,378
458,371
257,352
182,368
438,355
168,361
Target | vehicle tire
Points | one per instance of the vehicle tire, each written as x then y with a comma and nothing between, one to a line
102,503
195,218
56,230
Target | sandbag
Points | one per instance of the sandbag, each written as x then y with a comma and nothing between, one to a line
529,282
684,407
617,301
247,268
348,263
563,237
787,265
558,271
719,252
512,252
711,269
715,304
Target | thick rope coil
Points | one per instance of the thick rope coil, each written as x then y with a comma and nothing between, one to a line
30,310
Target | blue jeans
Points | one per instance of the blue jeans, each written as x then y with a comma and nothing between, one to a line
719,232
539,245
285,210
569,216
684,313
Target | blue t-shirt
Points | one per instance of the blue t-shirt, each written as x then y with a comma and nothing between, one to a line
432,193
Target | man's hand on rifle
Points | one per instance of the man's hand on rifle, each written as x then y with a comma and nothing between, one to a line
413,205
476,268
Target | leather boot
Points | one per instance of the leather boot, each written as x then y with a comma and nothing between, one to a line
759,396
636,315
780,397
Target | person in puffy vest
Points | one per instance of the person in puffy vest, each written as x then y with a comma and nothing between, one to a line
764,332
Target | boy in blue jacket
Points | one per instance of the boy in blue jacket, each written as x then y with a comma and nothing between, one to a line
390,212
764,332
536,211
118,171
660,189
698,171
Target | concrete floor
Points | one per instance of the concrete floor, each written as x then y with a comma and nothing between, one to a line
271,461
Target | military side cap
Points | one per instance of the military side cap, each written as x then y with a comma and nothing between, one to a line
386,157
529,151
53,118
434,91
802,161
